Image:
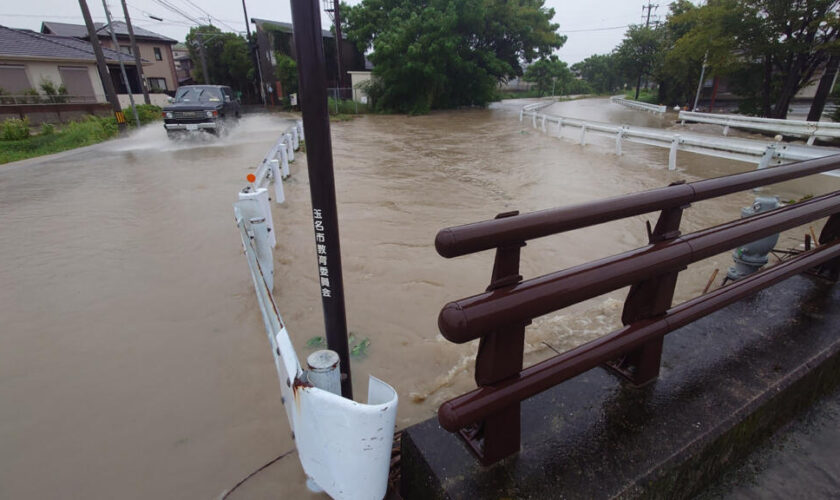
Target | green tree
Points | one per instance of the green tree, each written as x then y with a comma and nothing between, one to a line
550,74
768,49
431,54
229,61
286,72
601,72
640,54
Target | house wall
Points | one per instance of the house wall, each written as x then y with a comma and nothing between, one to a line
38,71
157,69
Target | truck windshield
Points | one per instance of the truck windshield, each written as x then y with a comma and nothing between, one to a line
198,94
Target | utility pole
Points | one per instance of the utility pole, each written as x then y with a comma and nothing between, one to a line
201,53
331,7
254,54
119,58
309,43
649,8
136,52
107,84
700,84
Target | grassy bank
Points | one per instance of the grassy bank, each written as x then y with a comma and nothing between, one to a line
18,142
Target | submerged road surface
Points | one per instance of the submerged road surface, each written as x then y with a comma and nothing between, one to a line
133,360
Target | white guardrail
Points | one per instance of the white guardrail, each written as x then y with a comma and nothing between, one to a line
641,106
344,446
789,128
761,152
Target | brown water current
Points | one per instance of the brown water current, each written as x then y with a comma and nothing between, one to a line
133,360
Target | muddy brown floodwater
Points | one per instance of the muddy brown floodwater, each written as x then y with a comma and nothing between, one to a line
133,360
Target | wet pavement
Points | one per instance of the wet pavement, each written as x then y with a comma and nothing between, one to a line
134,361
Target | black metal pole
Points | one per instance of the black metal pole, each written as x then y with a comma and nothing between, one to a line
137,62
306,18
104,75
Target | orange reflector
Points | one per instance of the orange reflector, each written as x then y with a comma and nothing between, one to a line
251,178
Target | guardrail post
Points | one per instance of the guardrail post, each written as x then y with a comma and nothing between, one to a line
287,140
262,243
323,371
260,195
299,125
768,155
672,153
648,299
500,356
279,195
534,120
521,114
559,124
295,140
583,135
284,160
726,128
543,123
618,138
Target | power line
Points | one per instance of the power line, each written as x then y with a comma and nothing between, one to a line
595,29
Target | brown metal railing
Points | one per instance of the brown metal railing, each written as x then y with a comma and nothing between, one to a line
488,417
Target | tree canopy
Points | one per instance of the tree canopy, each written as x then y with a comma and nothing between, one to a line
229,60
430,54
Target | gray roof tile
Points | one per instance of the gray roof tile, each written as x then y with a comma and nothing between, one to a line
26,43
120,28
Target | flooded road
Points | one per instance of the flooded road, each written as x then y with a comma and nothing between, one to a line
134,362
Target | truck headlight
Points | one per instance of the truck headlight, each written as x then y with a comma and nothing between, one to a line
212,114
169,114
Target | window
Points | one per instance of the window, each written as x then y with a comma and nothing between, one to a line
157,83
158,55
126,49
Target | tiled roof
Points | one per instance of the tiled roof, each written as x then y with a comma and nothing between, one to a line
120,28
26,43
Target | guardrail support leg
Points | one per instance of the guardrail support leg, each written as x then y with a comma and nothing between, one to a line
768,155
559,124
295,139
543,123
726,129
284,161
500,355
279,195
811,139
534,120
618,138
289,146
830,232
672,153
521,114
648,299
583,135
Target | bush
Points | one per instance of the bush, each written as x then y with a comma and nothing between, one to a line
345,107
146,112
14,129
90,130
47,129
54,94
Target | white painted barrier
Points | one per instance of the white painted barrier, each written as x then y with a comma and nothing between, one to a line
788,128
641,106
764,153
344,446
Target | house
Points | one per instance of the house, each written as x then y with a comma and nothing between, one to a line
183,64
160,73
30,60
276,36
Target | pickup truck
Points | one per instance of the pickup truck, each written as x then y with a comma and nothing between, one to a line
200,108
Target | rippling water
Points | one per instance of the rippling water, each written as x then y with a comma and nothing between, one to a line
134,363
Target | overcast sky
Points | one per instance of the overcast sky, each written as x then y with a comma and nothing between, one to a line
593,26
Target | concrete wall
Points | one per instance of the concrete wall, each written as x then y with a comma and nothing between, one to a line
157,99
